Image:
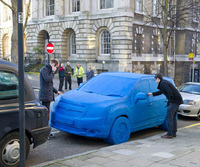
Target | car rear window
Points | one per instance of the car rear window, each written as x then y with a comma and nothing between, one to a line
9,86
109,85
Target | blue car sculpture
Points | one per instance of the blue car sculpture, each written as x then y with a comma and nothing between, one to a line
110,106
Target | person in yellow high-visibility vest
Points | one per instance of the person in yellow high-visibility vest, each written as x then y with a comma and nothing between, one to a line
79,71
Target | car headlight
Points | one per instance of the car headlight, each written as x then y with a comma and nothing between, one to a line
189,102
53,108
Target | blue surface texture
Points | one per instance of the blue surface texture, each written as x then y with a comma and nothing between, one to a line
111,105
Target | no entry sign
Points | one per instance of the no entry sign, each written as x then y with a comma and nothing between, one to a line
50,48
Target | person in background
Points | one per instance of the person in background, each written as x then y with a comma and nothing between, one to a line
61,75
90,73
68,73
79,71
46,92
174,100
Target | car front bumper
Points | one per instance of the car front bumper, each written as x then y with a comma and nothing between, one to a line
188,110
89,127
40,135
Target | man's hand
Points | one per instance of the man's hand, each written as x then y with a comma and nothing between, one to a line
59,93
54,69
148,94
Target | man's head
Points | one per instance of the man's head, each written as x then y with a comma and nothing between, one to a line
54,63
61,65
68,63
158,77
78,65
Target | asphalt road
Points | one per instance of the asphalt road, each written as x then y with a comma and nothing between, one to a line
63,144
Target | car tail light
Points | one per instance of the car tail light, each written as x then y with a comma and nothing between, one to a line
48,114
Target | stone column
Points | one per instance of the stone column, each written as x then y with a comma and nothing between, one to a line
85,5
58,8
35,11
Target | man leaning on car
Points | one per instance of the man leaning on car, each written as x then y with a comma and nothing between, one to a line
174,100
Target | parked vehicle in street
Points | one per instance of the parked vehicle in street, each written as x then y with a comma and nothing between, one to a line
110,106
190,93
36,116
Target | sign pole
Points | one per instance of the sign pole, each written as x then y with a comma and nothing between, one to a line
21,82
191,57
193,71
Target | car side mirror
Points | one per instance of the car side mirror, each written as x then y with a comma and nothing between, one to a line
140,96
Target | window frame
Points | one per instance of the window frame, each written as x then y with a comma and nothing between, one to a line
101,7
141,6
73,44
75,10
14,99
108,43
155,8
50,5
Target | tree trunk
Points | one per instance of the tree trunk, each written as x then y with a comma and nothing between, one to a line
14,40
165,42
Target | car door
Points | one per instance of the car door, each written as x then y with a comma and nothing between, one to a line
143,114
158,102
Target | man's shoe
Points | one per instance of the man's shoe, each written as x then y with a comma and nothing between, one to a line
167,136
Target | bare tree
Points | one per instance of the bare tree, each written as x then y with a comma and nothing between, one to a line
14,41
167,16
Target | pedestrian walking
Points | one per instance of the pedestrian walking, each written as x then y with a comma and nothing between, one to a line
46,92
79,71
90,73
174,100
68,73
61,75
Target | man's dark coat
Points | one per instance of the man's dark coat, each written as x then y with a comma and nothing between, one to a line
46,93
171,93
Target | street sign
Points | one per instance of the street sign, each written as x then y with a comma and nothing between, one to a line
191,56
50,48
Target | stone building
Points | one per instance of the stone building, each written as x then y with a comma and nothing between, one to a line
112,35
6,29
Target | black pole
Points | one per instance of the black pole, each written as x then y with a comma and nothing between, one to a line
21,82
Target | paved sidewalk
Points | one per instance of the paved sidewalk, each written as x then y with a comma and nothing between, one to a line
182,151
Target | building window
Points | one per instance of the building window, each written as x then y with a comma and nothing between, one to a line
50,7
139,5
195,11
155,8
75,5
105,42
170,8
73,44
104,4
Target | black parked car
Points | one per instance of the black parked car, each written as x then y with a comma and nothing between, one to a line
36,116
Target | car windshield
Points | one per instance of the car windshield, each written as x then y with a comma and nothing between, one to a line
190,88
109,85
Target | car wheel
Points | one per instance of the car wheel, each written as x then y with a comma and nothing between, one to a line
120,131
10,151
198,116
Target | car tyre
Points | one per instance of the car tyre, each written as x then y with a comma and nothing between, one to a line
120,131
198,116
10,151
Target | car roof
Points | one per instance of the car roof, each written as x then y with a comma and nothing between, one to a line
8,65
194,83
127,75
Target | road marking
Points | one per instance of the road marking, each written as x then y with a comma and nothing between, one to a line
190,126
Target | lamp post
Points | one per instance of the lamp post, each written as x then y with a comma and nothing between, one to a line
21,82
103,62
